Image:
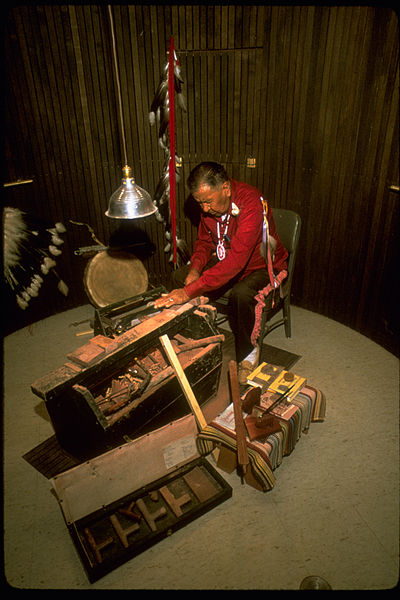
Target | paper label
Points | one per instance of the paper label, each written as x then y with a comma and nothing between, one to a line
180,451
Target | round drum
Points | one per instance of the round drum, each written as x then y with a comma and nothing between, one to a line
114,276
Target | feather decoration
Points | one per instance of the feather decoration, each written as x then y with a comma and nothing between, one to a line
159,109
29,249
160,115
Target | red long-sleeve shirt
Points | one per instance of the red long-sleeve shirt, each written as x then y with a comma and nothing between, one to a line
243,248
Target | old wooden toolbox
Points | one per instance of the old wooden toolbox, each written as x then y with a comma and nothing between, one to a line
117,318
113,390
124,501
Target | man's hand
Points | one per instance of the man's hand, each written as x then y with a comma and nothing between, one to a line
178,296
192,276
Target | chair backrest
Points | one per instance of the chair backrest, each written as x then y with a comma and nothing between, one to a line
288,225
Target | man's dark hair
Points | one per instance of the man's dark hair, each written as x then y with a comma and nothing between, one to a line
208,173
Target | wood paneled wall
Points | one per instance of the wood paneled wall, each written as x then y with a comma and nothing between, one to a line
310,93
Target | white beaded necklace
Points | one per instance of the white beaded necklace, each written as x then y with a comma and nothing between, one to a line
221,252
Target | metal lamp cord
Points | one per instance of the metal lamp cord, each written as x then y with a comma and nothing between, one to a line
118,83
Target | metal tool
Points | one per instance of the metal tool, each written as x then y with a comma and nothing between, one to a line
278,400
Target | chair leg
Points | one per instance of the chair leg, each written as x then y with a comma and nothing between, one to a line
286,317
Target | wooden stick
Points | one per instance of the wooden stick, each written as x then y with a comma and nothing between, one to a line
242,454
278,400
192,344
88,332
180,374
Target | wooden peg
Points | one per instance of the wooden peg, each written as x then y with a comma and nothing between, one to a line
95,546
129,512
200,484
123,533
150,517
174,503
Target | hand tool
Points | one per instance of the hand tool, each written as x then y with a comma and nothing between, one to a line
180,374
241,442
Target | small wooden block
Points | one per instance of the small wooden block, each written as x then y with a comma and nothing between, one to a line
227,460
73,367
200,484
258,431
85,355
108,344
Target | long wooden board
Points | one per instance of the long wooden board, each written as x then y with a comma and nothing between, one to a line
180,373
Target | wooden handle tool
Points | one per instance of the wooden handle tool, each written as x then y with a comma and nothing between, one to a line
180,374
241,442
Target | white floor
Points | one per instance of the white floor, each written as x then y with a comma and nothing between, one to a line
334,511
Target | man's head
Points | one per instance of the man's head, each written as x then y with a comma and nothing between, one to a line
210,186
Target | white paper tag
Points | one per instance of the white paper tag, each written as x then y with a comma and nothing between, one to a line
179,451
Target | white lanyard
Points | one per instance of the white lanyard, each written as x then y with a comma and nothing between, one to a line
221,252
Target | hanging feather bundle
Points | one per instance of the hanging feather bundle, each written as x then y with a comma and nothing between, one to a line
30,249
159,109
160,115
161,194
163,214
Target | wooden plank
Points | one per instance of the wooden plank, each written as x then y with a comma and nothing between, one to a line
301,95
293,61
17,107
183,381
230,113
25,27
204,114
85,103
133,93
245,57
61,44
241,442
259,97
224,114
213,123
55,100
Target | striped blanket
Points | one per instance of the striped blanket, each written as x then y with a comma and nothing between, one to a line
266,456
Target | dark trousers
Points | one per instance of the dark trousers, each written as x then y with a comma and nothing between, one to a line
241,304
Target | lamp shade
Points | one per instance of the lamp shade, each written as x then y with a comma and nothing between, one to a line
130,201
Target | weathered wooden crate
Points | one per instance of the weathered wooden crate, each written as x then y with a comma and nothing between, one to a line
133,371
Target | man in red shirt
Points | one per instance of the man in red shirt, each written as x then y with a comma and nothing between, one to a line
227,254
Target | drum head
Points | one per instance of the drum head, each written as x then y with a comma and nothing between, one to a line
114,276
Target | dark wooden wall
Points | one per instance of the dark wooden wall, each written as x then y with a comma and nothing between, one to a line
310,93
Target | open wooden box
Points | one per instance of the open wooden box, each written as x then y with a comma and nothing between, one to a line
124,501
76,394
118,317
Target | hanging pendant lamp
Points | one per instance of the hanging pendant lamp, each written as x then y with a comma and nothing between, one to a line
129,201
